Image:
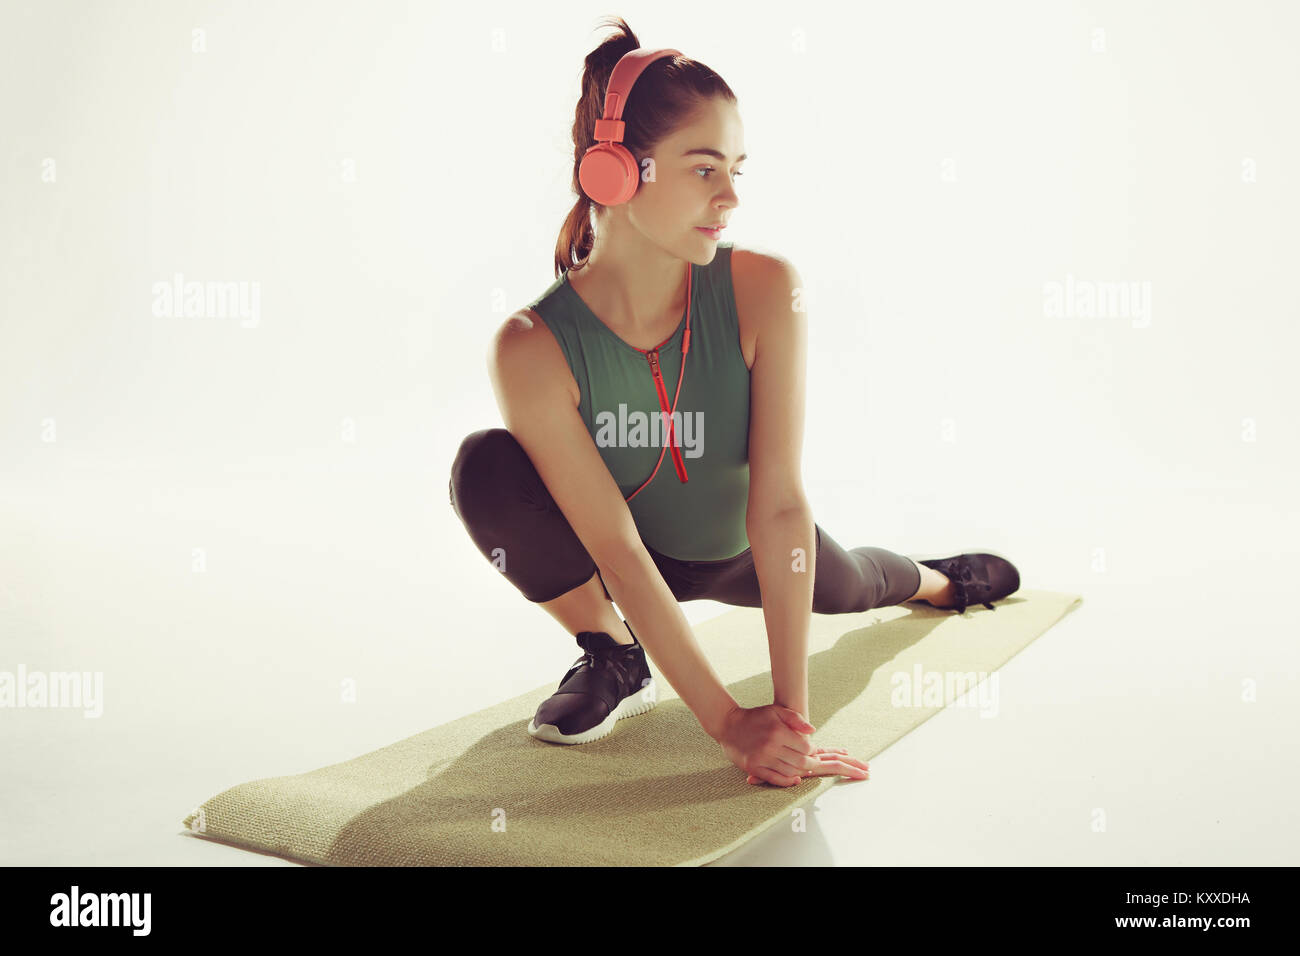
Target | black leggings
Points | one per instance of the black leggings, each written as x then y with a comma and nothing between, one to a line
505,506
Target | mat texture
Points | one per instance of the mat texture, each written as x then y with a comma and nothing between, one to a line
658,791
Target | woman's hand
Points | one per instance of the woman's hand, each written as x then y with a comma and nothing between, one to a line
770,743
831,763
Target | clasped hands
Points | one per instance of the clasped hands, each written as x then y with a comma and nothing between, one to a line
771,743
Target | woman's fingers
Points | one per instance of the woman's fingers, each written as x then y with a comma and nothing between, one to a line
843,758
798,743
822,753
768,775
792,767
854,770
826,762
822,762
774,778
823,765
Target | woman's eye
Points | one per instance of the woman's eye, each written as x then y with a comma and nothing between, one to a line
709,169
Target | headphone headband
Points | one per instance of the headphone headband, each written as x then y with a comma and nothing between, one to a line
610,127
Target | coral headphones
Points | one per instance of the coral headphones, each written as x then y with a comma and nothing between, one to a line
609,175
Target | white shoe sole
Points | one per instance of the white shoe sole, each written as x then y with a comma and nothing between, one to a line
635,703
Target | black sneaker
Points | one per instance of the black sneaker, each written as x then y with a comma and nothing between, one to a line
609,682
977,578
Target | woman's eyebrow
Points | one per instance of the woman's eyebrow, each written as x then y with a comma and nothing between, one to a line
714,153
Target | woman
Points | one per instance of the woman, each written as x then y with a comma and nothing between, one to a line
659,338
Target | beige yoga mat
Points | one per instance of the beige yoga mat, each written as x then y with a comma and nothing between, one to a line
657,791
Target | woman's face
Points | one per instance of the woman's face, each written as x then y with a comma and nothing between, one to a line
686,185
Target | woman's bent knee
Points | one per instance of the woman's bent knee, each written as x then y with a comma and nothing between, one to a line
482,449
484,458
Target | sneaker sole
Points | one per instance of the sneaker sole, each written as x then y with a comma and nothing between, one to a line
635,703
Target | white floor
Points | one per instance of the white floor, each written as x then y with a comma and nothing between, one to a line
1154,725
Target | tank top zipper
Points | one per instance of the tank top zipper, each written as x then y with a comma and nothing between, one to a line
653,358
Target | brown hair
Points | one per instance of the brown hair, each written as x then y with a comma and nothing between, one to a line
665,95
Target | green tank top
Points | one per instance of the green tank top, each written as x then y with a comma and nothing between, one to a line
702,518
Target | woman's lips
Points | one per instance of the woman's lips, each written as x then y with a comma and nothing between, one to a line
711,233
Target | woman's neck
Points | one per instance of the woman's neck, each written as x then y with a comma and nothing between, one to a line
631,284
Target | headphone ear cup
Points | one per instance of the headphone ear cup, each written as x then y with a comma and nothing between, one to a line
608,174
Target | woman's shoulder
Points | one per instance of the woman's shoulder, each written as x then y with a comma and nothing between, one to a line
759,278
528,332
751,264
524,346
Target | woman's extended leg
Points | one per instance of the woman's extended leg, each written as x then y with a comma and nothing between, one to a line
935,587
858,579
505,506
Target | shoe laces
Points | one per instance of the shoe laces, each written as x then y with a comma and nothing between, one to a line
613,658
596,659
966,586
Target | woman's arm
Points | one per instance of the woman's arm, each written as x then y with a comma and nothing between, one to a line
786,584
531,380
778,519
639,590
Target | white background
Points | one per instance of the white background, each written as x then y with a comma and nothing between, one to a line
393,176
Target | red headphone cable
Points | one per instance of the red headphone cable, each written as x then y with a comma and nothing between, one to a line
681,374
